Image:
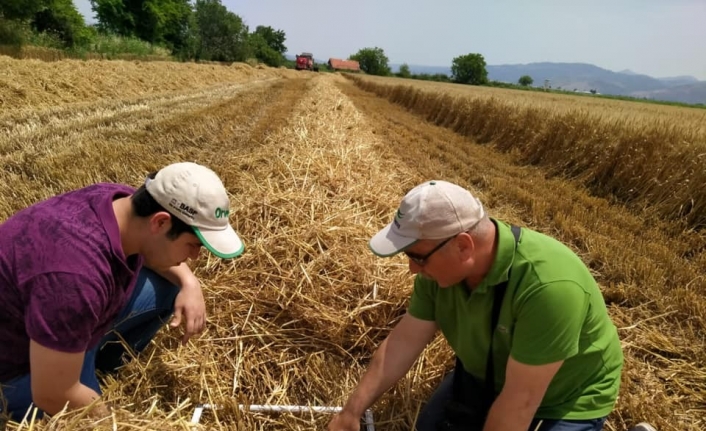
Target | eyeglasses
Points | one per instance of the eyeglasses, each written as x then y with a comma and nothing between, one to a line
422,260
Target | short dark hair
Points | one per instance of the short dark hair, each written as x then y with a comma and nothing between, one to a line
144,205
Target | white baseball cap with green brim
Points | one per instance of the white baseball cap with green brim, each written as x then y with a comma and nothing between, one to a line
432,210
195,195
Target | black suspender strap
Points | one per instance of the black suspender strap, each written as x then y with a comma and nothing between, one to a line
459,371
498,296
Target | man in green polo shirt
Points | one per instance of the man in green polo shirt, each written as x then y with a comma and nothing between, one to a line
556,358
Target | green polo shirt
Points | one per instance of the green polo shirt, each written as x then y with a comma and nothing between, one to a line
553,310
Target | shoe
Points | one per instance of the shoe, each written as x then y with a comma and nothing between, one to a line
643,426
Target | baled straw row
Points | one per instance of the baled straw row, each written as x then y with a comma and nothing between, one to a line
662,166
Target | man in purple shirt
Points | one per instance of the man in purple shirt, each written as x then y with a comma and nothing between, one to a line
85,273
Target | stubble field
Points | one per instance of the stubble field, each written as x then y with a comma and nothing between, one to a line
316,164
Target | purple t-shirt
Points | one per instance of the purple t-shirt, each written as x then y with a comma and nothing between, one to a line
63,275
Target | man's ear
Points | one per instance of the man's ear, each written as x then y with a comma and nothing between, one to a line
160,222
466,245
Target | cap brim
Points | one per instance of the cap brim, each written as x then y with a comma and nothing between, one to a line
387,243
225,244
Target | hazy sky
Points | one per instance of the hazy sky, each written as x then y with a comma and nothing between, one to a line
656,37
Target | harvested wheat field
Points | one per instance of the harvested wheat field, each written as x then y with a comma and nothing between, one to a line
316,165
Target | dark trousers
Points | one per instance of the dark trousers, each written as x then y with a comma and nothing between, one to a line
433,414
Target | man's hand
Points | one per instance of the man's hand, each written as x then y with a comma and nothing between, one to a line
344,421
190,307
390,362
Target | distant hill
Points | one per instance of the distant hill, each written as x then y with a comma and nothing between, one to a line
579,76
628,72
586,77
688,93
679,80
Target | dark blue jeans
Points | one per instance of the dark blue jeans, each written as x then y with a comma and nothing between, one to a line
433,413
149,308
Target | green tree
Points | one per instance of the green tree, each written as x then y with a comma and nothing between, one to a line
221,34
404,71
62,19
57,18
274,38
186,49
12,33
155,21
373,61
439,77
21,9
469,69
525,80
263,51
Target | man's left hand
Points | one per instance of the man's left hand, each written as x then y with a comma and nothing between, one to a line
190,307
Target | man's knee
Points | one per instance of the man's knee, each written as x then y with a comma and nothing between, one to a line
434,410
156,291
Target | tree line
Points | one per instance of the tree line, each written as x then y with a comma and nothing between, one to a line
202,30
465,69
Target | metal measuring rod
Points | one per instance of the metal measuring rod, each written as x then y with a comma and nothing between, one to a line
367,417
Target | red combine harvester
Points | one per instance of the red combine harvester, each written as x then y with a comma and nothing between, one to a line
305,61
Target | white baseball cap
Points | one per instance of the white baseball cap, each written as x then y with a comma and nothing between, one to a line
432,210
195,195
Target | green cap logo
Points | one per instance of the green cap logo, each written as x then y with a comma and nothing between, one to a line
222,213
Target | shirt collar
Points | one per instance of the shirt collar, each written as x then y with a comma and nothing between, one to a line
505,255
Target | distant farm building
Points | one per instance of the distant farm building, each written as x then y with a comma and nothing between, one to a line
345,65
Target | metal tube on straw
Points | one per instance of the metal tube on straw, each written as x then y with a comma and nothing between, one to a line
367,418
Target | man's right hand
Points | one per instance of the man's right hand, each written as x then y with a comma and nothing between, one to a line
344,421
390,362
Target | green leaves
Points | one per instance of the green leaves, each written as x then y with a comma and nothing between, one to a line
525,80
155,21
205,31
404,71
21,9
62,19
373,61
273,38
469,69
221,35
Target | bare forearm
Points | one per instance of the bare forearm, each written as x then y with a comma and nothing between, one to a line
510,412
389,364
77,396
